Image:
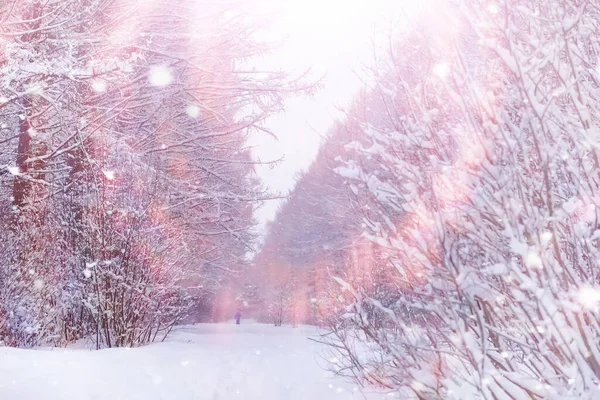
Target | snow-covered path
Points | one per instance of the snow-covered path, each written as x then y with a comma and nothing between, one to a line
208,361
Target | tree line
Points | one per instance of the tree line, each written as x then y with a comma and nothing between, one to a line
127,187
470,164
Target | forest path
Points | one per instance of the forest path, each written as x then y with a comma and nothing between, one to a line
204,361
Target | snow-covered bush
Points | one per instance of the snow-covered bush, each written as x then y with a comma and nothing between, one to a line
477,154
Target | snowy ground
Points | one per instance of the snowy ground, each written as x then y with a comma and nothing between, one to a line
207,361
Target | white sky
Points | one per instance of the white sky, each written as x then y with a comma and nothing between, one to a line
333,38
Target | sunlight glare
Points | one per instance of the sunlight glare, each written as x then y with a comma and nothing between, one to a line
341,26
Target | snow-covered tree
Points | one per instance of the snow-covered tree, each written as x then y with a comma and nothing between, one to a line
127,185
477,156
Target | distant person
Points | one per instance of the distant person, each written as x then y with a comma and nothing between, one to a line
238,316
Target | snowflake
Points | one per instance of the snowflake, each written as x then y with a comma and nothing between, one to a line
493,9
533,260
160,76
441,69
99,86
540,329
193,111
110,175
546,237
589,297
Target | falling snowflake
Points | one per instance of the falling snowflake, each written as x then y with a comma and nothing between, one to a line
546,237
110,175
14,170
193,111
160,76
493,9
533,260
589,297
38,284
99,86
441,69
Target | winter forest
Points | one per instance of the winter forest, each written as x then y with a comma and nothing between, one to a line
440,241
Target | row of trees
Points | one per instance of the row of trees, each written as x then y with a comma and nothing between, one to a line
476,160
315,236
127,188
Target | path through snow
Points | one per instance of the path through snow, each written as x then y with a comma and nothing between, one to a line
206,361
